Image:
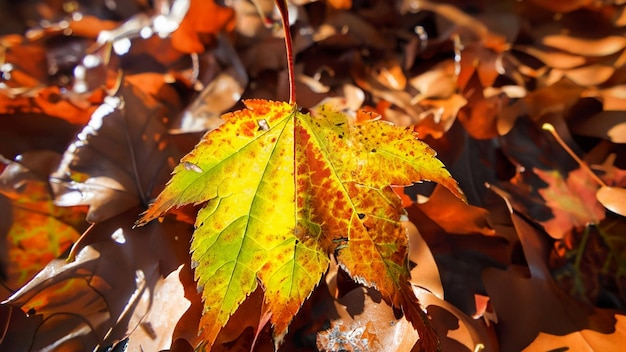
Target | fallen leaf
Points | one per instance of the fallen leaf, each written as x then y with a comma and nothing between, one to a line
26,132
553,58
297,165
83,303
39,231
585,46
572,199
589,263
366,323
613,198
535,314
191,35
605,124
115,162
454,215
457,331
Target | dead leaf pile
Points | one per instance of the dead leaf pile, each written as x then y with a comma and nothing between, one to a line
99,100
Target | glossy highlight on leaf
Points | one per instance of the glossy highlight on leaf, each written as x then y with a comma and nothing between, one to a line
283,191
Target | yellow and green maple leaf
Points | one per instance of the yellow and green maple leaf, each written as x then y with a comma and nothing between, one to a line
286,190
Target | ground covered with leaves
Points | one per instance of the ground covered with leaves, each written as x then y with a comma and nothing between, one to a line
523,101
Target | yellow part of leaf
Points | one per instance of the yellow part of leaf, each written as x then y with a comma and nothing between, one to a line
284,191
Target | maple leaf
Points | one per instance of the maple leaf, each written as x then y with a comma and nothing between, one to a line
285,190
87,301
37,230
572,200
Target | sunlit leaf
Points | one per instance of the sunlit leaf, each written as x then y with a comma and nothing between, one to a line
194,29
118,158
285,190
572,200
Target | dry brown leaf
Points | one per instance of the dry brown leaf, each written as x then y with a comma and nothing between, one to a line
114,162
442,113
531,308
553,58
457,331
195,32
585,47
366,322
454,215
425,273
437,82
606,124
389,73
613,198
557,97
346,27
451,13
480,115
591,75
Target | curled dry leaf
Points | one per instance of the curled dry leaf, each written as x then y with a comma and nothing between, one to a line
613,198
457,331
553,58
425,273
585,47
347,29
221,93
437,82
591,75
451,13
118,158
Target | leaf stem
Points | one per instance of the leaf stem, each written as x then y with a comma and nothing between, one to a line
284,16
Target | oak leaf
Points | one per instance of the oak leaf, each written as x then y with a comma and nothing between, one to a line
285,190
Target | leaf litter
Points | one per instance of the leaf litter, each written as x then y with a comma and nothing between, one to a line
538,274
